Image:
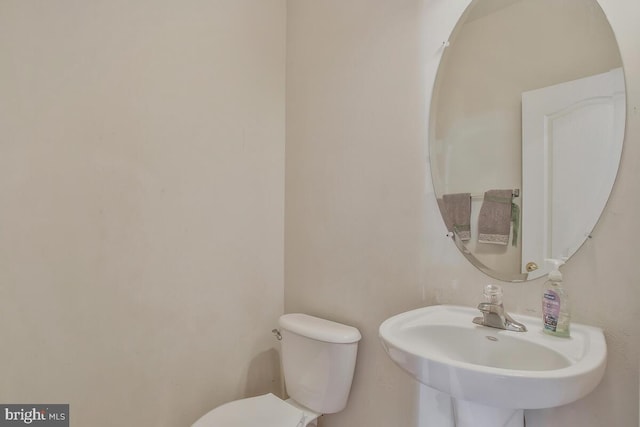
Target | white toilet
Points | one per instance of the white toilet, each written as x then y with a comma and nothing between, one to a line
318,360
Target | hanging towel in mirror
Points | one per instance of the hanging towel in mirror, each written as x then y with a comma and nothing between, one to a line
494,221
456,212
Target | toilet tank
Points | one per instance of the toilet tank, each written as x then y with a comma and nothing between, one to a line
318,360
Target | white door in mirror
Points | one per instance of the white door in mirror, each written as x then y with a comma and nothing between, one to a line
573,132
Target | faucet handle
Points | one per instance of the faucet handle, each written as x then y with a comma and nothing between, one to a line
488,307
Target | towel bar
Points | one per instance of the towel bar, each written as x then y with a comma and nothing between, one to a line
516,193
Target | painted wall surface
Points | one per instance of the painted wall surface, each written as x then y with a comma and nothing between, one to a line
363,236
142,188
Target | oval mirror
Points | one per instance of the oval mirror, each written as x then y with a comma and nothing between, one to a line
526,130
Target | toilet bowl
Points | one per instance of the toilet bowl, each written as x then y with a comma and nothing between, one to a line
264,411
318,361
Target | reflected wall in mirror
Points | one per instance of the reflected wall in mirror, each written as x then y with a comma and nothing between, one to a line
529,98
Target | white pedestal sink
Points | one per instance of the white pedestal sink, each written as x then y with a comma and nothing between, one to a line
493,374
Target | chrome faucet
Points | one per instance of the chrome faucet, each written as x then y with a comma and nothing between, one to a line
493,314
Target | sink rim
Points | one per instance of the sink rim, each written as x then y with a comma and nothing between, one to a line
533,335
585,351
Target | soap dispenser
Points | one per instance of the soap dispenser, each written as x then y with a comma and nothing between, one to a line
556,310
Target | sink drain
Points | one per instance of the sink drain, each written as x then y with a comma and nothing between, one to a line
490,338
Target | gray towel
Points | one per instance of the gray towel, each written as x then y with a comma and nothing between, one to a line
494,221
456,212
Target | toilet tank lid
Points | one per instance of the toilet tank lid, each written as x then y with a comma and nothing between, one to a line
319,329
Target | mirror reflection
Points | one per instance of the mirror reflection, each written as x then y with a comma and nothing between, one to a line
527,124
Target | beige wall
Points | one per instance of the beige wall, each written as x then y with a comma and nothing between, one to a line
142,188
363,236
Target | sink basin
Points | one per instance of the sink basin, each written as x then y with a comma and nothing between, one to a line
442,348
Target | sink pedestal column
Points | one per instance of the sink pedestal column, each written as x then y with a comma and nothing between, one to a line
469,414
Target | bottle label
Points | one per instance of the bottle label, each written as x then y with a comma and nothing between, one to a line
550,310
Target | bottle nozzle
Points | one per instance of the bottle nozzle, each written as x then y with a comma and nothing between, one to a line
556,262
555,274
